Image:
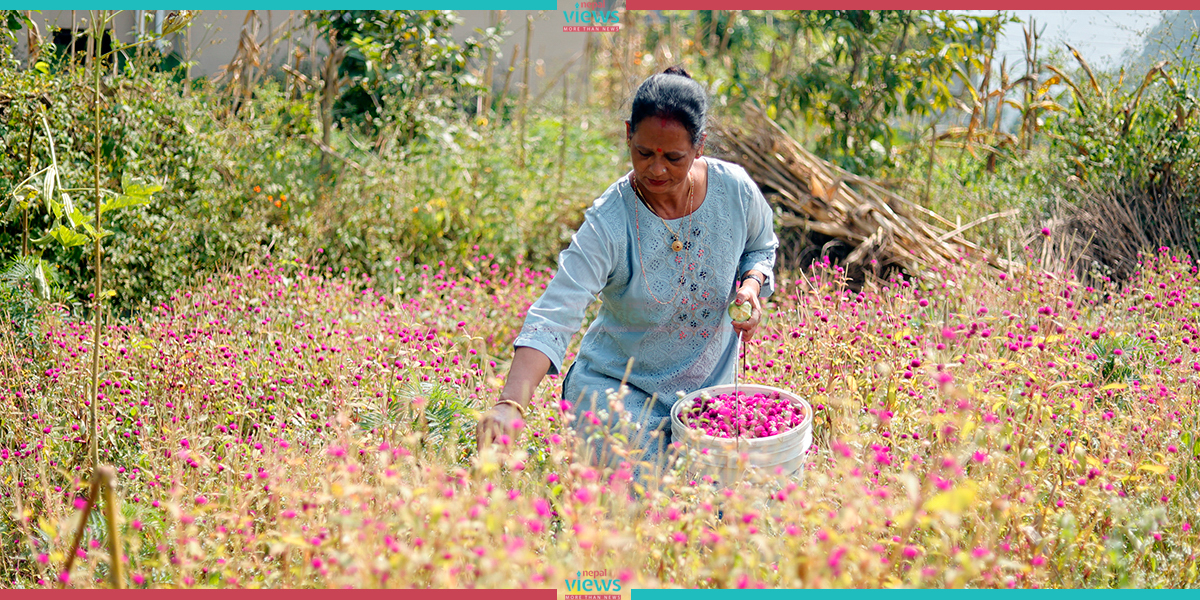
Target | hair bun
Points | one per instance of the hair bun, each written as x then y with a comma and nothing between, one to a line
677,70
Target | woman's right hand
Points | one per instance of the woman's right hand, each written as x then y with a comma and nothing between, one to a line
497,425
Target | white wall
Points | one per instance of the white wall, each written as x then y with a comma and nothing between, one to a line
213,38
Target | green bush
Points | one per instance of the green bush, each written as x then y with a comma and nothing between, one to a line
1137,129
248,183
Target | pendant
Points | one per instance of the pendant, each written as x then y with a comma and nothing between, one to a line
677,245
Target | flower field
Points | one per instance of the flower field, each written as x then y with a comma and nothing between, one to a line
289,426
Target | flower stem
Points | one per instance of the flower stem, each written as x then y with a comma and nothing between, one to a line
93,445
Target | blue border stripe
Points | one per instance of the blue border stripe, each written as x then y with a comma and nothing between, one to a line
226,5
909,594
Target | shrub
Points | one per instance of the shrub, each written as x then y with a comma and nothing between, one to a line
241,185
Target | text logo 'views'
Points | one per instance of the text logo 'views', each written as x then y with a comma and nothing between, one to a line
585,19
592,585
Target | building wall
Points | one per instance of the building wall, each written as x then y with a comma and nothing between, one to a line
212,40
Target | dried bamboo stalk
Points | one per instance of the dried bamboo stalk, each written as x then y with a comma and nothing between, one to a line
822,198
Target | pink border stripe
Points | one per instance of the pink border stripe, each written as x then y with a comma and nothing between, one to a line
1009,5
276,594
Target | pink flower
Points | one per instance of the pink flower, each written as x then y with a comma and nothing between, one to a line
835,559
979,456
910,552
583,495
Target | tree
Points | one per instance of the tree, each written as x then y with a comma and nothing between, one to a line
395,68
849,73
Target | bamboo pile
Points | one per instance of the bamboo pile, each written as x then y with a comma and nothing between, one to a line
884,230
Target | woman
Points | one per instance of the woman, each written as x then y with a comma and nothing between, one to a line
666,248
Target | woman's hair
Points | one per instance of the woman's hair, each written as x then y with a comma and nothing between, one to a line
672,94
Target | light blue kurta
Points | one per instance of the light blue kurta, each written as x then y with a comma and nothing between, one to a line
672,316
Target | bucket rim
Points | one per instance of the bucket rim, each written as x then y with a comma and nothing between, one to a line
745,387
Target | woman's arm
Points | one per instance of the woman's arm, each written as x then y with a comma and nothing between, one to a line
757,263
529,367
584,268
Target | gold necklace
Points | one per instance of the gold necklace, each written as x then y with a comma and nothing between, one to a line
676,243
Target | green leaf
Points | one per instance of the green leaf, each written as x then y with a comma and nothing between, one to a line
177,20
48,185
39,279
78,218
69,209
133,193
13,203
134,187
65,236
1153,468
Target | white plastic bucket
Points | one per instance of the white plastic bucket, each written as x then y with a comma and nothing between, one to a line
783,453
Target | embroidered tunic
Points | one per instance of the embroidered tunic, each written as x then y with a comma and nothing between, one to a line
674,320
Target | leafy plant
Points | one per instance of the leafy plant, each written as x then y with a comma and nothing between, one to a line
843,77
1144,135
30,286
394,72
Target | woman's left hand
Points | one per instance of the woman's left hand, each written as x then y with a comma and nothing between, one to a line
748,292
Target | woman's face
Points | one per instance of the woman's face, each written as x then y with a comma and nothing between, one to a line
662,154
